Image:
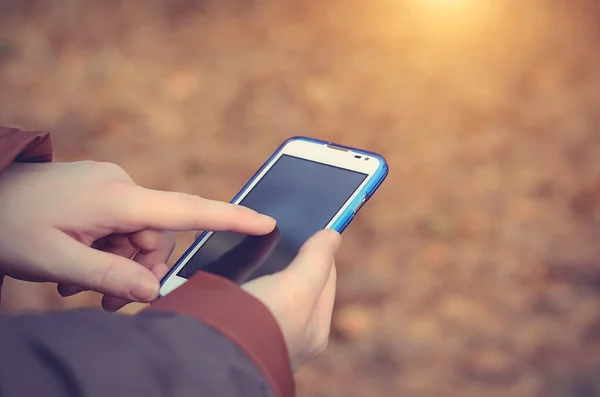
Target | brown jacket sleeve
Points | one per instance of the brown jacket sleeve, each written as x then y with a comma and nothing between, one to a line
207,338
29,147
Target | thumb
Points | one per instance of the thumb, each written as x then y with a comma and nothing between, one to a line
103,272
312,266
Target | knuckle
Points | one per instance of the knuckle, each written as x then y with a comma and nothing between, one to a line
110,185
194,206
112,176
189,198
116,182
110,169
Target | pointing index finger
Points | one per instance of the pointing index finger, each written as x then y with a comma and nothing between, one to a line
175,211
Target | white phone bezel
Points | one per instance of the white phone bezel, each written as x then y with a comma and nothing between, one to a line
304,149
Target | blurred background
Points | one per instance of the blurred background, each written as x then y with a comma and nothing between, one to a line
476,268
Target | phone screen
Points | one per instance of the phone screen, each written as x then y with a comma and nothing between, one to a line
302,195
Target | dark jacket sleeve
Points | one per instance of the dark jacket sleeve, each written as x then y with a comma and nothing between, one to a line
207,338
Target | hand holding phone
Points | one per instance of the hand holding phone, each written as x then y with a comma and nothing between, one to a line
302,296
307,185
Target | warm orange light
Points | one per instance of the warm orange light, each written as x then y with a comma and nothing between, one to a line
442,1
453,7
455,16
439,22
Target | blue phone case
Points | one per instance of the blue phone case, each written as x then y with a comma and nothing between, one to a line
345,218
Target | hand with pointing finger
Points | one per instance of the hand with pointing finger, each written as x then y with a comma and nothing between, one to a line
88,226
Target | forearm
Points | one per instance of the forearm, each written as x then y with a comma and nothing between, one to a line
23,146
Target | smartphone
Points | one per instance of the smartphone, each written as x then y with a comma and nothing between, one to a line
306,185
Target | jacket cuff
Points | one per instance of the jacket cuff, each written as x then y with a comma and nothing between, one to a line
23,146
228,309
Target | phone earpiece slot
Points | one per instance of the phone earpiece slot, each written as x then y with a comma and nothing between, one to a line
341,149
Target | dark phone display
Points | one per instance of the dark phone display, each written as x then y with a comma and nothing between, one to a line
302,195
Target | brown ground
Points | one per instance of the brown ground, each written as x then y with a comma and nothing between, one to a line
474,271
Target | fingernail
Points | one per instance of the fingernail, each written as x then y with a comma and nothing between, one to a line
69,290
335,238
266,219
107,309
145,289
